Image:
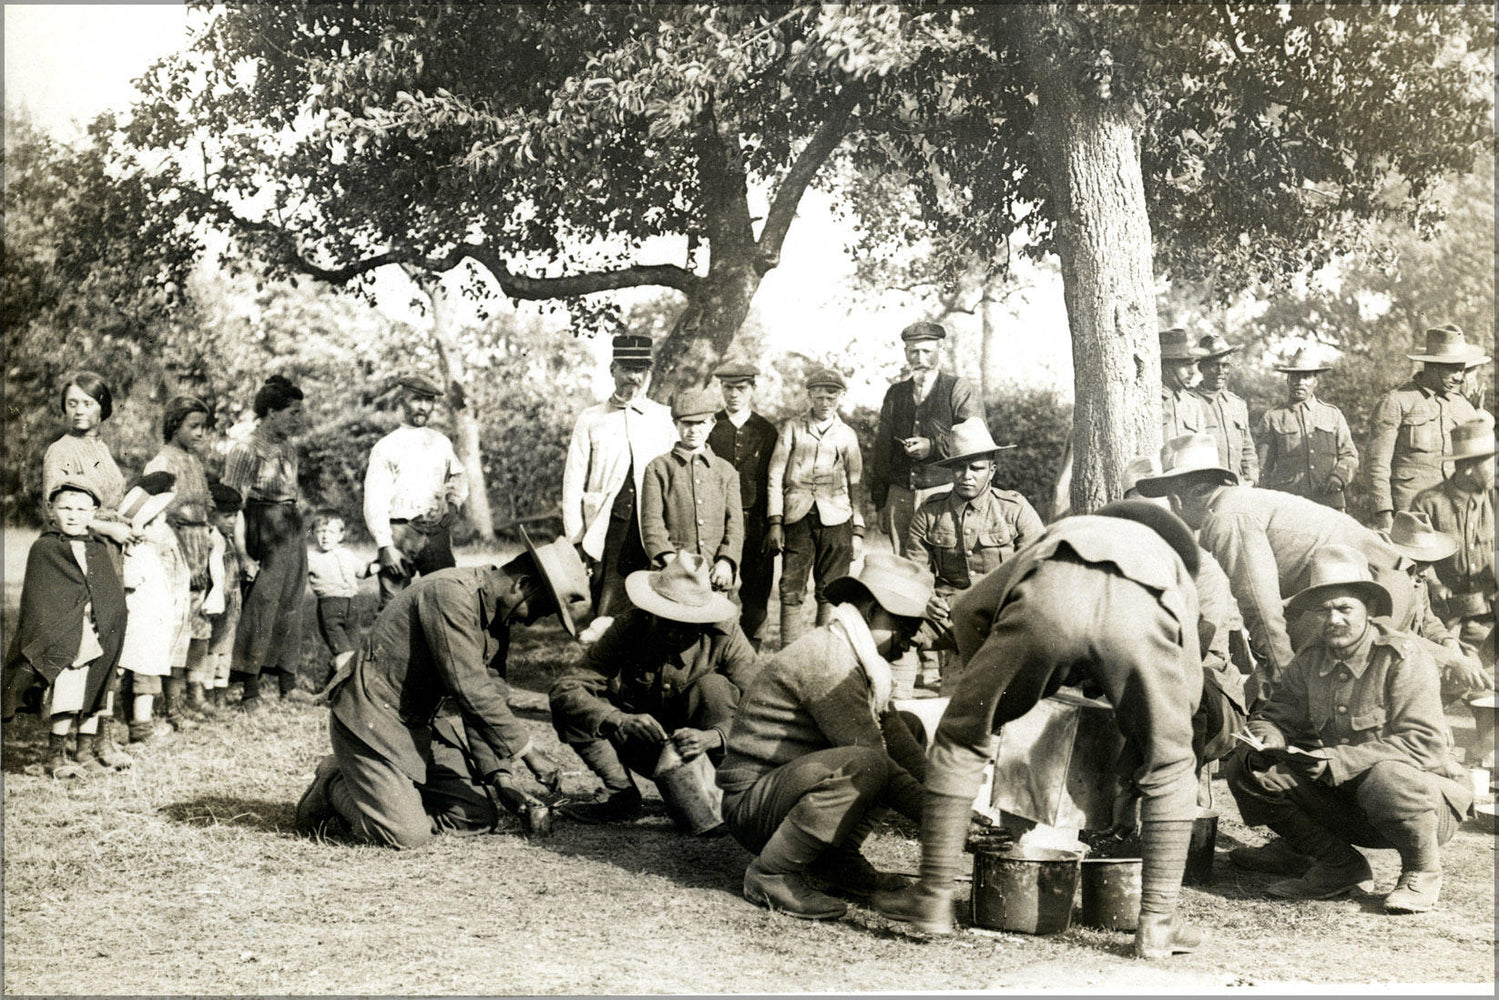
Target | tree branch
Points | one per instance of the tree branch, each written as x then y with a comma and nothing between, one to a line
287,253
783,207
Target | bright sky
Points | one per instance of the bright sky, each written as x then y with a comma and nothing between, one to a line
66,63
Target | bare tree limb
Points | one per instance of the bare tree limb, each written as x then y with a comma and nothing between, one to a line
783,207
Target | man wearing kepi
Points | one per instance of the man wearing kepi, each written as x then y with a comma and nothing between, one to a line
1105,599
611,444
426,682
668,670
746,440
1305,446
1263,539
1228,414
815,748
1350,748
1412,425
412,491
915,419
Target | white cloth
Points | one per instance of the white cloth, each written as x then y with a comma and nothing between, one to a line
158,601
607,441
848,623
414,474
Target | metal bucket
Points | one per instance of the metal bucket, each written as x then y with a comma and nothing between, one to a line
1111,893
1027,890
692,796
1200,851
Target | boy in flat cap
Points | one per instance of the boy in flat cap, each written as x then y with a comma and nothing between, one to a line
814,476
611,444
412,491
746,440
1305,446
690,500
916,417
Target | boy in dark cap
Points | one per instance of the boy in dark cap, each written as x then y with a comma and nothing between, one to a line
746,440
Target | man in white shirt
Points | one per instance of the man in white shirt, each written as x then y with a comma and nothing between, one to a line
412,491
606,458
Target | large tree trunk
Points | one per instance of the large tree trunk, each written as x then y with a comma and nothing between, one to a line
445,322
707,326
1090,148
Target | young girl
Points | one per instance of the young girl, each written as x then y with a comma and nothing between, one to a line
156,592
71,624
222,605
184,426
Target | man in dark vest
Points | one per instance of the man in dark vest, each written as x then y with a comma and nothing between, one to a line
915,421
746,440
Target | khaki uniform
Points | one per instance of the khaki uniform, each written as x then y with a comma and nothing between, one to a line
1410,429
1228,423
1307,449
1183,412
963,540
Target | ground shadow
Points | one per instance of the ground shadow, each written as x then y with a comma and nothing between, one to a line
653,845
229,810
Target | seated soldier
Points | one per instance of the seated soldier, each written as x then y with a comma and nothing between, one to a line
816,749
1350,747
671,668
392,778
971,530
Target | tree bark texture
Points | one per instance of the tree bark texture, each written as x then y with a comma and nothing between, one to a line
1090,148
445,321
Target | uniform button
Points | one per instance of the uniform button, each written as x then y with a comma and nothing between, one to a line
1342,741
699,520
1342,709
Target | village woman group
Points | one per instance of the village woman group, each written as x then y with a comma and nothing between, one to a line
1262,634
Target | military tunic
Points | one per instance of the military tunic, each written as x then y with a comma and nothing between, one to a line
1228,423
1306,448
1183,412
1410,429
963,540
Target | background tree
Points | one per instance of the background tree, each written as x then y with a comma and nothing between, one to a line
1242,141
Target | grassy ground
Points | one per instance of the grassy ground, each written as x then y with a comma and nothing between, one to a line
183,876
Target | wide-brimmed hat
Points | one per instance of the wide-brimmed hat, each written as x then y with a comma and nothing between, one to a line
1186,461
1474,439
1414,535
900,586
923,331
1340,567
566,577
736,371
1304,360
632,350
147,497
419,384
1136,469
681,592
1175,346
970,440
1446,345
1214,346
690,403
824,376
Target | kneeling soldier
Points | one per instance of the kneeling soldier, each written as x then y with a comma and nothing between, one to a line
426,687
1351,747
814,747
670,669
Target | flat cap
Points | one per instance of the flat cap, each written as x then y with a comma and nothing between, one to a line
923,331
736,371
824,376
421,385
689,403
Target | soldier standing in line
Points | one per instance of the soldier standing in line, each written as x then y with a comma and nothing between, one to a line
1305,446
1228,415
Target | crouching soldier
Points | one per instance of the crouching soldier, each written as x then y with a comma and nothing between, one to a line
816,750
668,670
427,680
1351,747
1105,600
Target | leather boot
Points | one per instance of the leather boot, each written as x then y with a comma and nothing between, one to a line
789,893
106,751
198,703
926,909
1161,935
1416,892
792,625
619,799
1277,857
314,809
174,702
